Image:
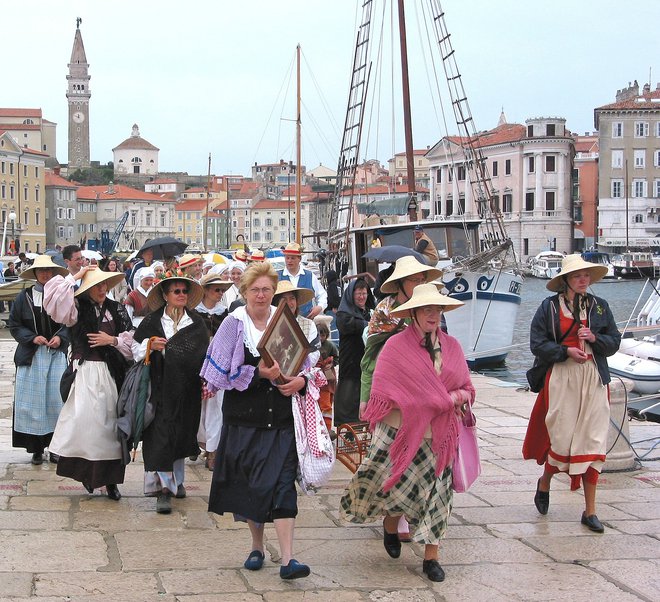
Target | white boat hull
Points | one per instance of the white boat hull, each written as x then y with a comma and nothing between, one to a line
644,373
484,327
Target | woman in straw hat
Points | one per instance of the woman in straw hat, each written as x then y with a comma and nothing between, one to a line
255,470
213,311
40,360
85,437
420,382
572,334
408,272
179,339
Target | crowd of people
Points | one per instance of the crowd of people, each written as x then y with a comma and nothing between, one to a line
392,365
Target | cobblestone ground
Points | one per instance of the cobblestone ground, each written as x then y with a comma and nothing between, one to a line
59,543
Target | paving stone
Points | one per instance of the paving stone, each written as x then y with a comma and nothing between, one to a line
224,598
115,585
597,547
643,510
491,549
637,527
28,520
45,503
641,577
529,513
16,584
40,551
314,596
404,596
202,581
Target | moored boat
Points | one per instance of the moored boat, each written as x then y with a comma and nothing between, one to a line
635,264
644,373
600,259
546,264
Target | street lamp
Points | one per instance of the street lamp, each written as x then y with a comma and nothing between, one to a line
8,216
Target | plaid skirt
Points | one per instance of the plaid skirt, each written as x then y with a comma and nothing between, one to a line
424,499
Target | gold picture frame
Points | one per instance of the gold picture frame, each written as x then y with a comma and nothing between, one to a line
284,342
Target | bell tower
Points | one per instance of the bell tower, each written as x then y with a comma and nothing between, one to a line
78,95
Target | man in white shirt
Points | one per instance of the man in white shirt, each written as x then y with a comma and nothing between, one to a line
73,258
302,278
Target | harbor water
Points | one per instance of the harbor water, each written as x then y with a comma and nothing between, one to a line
622,296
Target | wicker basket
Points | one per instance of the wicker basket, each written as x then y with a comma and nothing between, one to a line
352,444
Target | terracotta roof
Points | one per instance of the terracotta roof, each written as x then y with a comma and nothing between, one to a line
272,204
644,102
248,189
291,190
19,126
195,189
417,151
191,205
32,151
53,179
586,144
398,189
20,113
135,143
507,132
121,192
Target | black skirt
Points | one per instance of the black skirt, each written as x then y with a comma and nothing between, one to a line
255,473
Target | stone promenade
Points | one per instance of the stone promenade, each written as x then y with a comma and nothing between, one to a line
59,543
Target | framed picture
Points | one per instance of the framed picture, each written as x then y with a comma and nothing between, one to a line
284,342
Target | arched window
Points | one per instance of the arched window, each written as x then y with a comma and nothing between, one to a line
136,160
28,122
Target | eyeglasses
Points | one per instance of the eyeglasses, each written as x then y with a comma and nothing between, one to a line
430,310
263,291
179,291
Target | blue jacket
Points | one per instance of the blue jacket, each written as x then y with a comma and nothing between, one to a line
545,333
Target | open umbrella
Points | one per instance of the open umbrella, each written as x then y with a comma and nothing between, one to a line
165,246
390,253
215,258
90,254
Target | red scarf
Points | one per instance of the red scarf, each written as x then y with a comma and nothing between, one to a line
406,379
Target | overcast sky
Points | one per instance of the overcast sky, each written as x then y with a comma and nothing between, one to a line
216,76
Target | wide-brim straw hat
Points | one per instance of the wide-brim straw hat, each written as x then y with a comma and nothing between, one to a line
216,279
423,295
408,266
323,319
293,248
189,260
303,295
575,263
257,255
155,299
43,262
94,277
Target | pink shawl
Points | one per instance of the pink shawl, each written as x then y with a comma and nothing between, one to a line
405,379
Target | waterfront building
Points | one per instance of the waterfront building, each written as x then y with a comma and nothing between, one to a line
78,95
30,130
398,167
61,211
585,191
150,215
629,170
22,195
530,168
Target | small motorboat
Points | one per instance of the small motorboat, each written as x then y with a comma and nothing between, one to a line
546,264
600,259
644,373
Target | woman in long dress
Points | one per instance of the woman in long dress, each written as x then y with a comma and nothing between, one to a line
40,360
420,382
86,437
179,340
256,466
572,334
352,318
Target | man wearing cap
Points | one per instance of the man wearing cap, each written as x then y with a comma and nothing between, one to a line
191,266
302,278
425,246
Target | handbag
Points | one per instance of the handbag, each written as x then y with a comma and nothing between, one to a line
66,381
536,374
316,453
466,467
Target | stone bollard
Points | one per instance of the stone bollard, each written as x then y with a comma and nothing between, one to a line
621,456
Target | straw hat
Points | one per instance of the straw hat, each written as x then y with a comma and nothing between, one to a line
407,266
323,319
303,295
43,262
94,277
423,295
293,248
155,299
215,278
188,260
240,255
257,255
575,263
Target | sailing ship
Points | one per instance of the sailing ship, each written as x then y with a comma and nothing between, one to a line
476,254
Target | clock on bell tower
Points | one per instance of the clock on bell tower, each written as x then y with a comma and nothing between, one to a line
78,95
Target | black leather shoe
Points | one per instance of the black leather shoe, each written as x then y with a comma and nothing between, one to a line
180,492
89,488
37,458
53,458
541,499
433,570
392,544
164,503
113,492
592,522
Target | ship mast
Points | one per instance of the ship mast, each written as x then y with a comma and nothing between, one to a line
298,161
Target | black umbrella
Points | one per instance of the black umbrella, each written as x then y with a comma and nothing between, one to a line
390,253
165,246
56,257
